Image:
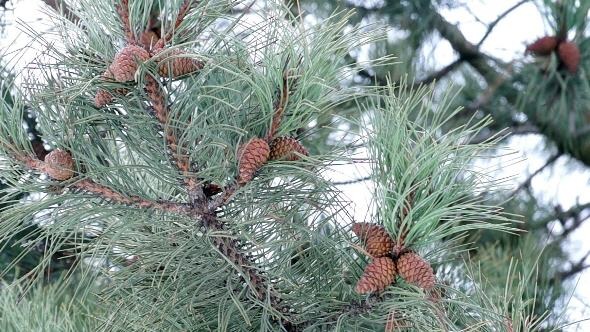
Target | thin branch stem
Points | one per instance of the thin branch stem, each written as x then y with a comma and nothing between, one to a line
184,8
500,17
353,181
108,193
123,11
161,111
528,181
279,107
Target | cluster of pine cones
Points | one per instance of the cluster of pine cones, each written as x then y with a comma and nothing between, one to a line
253,154
567,51
389,261
170,64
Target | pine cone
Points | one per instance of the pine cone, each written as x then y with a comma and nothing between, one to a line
148,39
415,270
125,63
102,98
59,165
377,241
286,148
569,54
178,64
251,156
543,46
377,275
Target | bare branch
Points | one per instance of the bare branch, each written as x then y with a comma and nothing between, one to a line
527,182
500,17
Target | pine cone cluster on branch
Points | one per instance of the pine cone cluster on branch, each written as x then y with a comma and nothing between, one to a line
568,52
257,152
387,262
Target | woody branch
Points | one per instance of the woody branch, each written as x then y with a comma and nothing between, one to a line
103,191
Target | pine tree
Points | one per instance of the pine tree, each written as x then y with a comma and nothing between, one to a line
185,172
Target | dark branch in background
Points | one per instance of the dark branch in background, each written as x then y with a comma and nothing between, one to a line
519,129
527,182
61,6
576,214
575,268
500,17
433,77
338,183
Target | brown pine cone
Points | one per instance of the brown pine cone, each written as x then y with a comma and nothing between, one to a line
125,63
59,165
286,148
377,241
251,156
377,275
543,46
179,64
148,39
102,98
415,270
569,54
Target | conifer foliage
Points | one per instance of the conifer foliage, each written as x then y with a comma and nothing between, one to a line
177,157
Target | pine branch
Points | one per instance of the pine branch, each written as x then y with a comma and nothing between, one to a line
161,111
184,9
280,105
107,193
123,11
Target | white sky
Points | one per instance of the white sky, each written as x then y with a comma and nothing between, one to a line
566,183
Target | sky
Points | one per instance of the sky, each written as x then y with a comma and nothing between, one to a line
566,183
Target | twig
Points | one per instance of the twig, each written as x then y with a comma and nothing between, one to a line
527,182
500,17
184,8
123,11
161,111
279,107
365,178
435,76
439,74
109,193
576,268
136,201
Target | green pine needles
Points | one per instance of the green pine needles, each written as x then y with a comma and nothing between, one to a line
176,214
